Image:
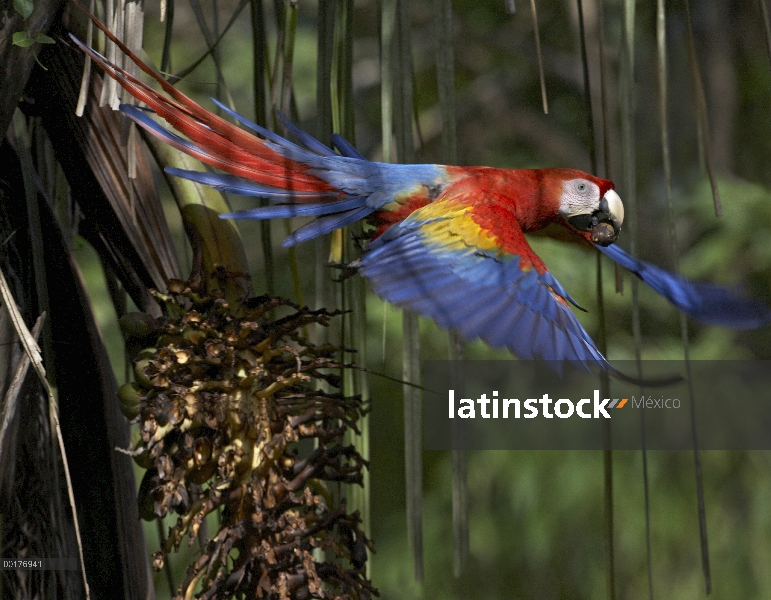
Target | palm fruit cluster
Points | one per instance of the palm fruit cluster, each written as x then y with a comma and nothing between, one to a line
223,398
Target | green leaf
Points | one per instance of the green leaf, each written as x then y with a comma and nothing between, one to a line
24,8
22,39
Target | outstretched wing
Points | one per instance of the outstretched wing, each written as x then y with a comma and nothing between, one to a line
705,302
441,263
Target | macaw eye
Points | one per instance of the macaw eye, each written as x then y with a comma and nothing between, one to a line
581,186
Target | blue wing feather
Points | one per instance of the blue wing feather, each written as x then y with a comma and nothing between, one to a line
482,321
520,310
508,320
706,302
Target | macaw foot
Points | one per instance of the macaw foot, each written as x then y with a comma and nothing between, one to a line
346,270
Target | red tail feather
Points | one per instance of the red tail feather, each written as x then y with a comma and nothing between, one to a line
222,144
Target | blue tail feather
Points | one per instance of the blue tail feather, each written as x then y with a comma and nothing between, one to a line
307,140
287,211
245,187
326,224
266,133
345,147
141,117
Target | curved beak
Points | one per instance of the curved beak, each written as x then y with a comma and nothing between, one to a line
604,224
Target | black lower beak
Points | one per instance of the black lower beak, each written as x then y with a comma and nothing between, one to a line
582,222
604,230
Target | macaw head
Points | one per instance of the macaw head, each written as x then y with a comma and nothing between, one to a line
591,204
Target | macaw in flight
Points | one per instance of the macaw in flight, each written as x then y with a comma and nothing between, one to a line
448,243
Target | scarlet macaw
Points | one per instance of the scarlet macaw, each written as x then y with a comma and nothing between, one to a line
449,242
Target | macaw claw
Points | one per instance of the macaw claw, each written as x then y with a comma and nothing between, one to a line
346,270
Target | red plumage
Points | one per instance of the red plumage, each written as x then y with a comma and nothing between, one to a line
225,146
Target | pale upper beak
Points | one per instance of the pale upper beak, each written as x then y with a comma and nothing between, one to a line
605,222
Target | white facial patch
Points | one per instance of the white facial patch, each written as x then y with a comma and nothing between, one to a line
579,197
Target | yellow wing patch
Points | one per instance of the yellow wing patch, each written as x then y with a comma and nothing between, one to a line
453,228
